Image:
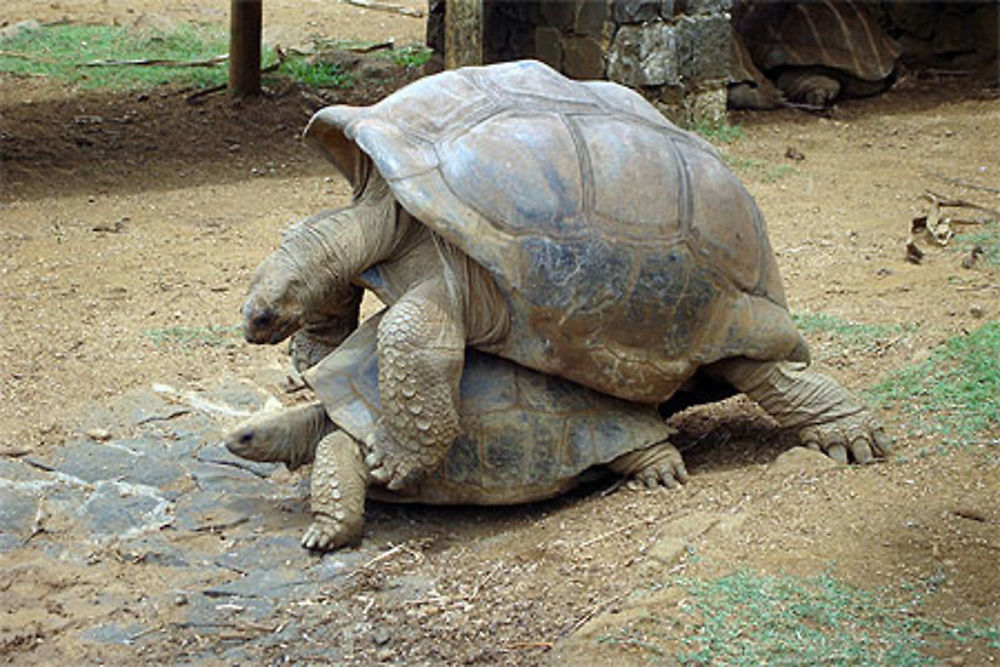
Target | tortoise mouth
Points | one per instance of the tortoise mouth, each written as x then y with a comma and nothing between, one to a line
265,326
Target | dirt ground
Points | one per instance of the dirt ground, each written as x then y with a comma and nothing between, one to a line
130,221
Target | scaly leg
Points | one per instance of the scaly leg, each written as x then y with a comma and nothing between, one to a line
658,465
339,484
421,349
828,417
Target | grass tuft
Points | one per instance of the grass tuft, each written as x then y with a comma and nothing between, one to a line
986,237
858,336
717,132
761,170
414,55
60,51
745,618
190,336
956,391
317,74
815,620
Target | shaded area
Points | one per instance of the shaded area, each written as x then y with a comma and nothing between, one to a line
101,142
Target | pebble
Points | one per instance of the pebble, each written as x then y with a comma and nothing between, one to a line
381,636
98,434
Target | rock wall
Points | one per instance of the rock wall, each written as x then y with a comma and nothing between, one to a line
675,52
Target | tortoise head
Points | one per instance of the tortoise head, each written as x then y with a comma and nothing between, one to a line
275,303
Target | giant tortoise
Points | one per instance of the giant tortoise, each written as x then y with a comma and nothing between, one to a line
564,225
818,50
526,436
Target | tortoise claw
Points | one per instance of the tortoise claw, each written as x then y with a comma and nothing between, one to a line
857,438
327,534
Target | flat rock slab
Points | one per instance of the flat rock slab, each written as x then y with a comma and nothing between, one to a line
165,531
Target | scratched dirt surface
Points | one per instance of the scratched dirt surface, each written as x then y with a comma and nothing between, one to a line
129,225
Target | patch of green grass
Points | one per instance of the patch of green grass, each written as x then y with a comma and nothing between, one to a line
750,619
189,336
414,55
60,51
986,237
765,172
717,132
857,335
956,391
318,74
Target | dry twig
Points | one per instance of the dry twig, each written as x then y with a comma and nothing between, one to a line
386,7
963,183
158,62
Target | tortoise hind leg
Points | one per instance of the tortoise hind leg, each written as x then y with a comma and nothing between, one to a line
339,485
828,417
658,465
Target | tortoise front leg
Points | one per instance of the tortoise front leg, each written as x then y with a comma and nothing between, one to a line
828,417
339,484
421,350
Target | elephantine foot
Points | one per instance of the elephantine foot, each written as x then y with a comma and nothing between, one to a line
857,437
392,464
338,485
328,532
656,466
827,417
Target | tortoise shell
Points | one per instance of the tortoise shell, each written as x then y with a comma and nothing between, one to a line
840,34
629,254
526,436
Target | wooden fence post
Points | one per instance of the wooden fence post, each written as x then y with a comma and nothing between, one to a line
463,33
244,47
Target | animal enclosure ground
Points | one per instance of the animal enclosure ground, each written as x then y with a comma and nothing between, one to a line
129,224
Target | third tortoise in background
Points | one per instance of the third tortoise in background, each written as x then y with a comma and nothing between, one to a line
818,50
564,225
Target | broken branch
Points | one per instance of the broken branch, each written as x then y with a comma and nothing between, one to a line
385,7
159,62
941,200
963,183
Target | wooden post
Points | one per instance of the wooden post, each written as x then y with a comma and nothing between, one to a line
463,33
244,47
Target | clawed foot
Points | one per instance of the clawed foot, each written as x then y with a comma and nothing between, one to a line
658,466
858,438
391,464
668,472
328,532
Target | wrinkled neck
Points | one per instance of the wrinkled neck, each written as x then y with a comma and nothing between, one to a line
327,251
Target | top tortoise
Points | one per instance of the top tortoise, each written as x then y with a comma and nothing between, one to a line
564,225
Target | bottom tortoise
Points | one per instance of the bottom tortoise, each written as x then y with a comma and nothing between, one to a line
526,436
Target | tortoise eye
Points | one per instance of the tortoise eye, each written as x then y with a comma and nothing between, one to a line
246,438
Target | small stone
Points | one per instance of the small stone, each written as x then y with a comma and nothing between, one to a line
381,636
98,434
976,312
180,600
802,458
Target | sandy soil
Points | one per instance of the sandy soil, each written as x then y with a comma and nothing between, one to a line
128,220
